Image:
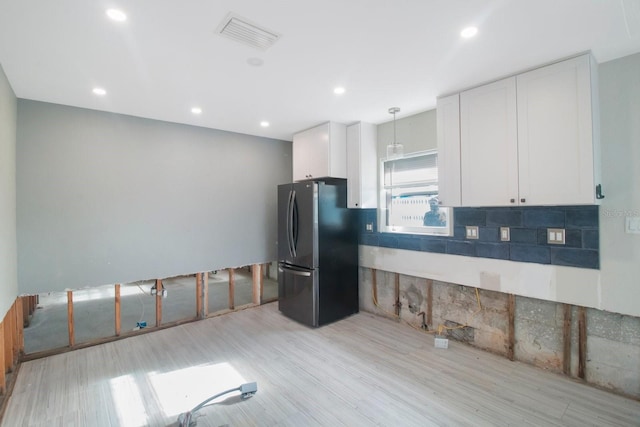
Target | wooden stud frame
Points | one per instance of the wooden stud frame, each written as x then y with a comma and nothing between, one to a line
374,285
397,294
582,342
70,326
158,302
511,332
232,288
117,310
199,295
3,370
429,313
256,273
566,339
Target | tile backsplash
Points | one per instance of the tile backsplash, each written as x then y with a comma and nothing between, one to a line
528,235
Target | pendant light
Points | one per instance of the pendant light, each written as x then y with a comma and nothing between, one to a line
394,150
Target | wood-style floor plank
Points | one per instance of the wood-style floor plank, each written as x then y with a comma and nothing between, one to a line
361,371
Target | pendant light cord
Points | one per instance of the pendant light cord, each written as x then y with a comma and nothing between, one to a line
394,110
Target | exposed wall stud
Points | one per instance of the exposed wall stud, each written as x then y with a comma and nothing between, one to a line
19,325
429,313
256,275
10,318
3,376
199,278
158,302
205,294
232,288
566,339
263,275
72,337
117,308
397,294
374,286
511,333
582,342
25,311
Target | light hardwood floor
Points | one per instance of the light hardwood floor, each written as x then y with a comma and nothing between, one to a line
361,371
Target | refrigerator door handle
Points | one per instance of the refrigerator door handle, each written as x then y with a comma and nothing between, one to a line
290,226
294,272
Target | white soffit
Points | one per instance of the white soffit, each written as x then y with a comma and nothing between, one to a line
244,31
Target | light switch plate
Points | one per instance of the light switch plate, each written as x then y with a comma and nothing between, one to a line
505,234
632,225
555,236
472,231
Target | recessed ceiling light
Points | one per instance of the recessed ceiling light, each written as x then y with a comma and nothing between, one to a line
116,15
255,62
264,124
99,91
469,32
196,110
339,90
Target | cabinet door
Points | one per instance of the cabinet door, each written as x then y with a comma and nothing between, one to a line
448,127
311,153
361,166
488,145
555,144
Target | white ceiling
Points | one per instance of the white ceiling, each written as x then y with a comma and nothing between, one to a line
167,58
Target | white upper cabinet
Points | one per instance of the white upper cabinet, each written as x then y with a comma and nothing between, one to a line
527,140
555,134
320,152
488,144
448,128
362,166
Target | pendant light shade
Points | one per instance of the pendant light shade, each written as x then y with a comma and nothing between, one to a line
394,150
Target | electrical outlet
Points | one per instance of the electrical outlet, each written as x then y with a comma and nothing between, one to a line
505,234
632,225
472,231
441,342
555,236
369,226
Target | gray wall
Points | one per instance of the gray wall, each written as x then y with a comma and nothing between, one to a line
620,135
8,246
106,198
416,133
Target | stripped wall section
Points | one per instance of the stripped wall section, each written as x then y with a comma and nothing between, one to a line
611,352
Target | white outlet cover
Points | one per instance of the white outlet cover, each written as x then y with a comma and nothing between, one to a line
555,236
632,224
505,234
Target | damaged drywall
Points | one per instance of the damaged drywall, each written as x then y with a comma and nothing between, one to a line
481,319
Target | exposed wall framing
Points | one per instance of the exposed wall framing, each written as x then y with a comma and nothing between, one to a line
550,335
12,341
118,316
28,305
232,288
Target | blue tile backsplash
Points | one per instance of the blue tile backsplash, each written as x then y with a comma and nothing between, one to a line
528,229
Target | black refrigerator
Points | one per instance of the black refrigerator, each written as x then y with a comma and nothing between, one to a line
317,252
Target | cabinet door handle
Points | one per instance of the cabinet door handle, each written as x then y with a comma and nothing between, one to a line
512,200
523,200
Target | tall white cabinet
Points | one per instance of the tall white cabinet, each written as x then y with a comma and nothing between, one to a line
362,166
557,148
319,152
448,128
488,144
531,139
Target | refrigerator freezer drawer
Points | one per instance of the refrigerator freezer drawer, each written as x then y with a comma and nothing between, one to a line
298,294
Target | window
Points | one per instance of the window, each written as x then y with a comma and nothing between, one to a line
409,197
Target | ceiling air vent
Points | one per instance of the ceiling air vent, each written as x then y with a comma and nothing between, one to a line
242,30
